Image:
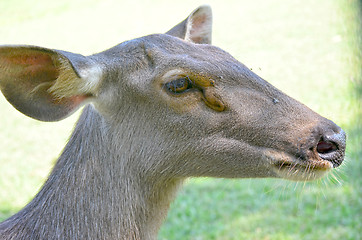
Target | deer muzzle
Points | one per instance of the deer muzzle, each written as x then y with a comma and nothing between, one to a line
323,150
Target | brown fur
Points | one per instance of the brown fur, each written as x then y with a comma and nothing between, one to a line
136,143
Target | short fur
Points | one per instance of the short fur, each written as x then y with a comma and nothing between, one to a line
137,141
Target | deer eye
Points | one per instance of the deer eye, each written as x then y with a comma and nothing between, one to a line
179,85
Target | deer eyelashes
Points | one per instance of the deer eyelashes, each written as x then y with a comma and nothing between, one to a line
205,85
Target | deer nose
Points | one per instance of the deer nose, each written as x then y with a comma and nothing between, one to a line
331,146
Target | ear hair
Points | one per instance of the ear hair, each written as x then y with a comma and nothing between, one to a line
72,83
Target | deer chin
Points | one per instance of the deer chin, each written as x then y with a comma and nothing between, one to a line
290,167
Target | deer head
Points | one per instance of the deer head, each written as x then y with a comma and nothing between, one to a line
160,108
205,112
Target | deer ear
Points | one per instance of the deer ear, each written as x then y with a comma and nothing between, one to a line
196,27
46,84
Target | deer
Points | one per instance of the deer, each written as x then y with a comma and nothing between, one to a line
157,110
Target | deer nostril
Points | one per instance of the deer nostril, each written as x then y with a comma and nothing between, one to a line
331,147
324,147
328,144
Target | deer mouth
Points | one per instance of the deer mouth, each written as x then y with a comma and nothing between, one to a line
302,171
293,167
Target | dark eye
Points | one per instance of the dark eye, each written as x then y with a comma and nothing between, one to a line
179,85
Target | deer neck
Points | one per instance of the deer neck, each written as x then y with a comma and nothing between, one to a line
93,194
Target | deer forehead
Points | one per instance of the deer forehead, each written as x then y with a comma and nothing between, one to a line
145,60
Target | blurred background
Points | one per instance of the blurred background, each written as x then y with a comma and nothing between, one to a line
309,49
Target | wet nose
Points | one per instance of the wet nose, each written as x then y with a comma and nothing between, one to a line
331,145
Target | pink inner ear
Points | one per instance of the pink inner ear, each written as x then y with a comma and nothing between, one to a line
33,59
199,20
36,67
198,24
200,30
26,74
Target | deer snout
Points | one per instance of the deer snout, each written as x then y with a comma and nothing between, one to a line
322,150
331,144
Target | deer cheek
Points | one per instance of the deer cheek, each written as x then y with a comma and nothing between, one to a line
212,100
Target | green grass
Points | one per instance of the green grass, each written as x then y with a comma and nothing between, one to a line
309,49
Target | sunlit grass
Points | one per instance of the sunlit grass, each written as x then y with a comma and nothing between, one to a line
309,49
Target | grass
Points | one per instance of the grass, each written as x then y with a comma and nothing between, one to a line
309,49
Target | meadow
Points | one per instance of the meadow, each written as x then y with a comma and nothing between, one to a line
311,50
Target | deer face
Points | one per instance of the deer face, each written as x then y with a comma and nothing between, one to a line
214,117
178,105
